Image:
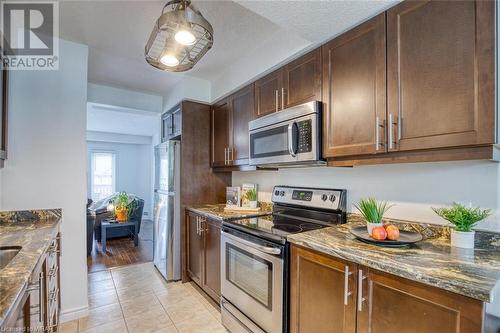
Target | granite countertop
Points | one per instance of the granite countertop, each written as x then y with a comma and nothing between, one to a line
34,237
217,212
473,273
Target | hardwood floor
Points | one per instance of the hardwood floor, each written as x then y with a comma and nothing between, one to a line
121,251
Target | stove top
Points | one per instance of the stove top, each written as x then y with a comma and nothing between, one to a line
295,210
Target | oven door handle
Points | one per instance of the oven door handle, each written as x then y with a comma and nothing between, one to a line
265,249
291,148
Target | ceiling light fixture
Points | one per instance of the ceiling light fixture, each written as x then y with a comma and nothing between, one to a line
180,37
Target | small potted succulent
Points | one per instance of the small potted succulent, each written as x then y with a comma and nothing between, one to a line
464,219
121,205
373,212
252,198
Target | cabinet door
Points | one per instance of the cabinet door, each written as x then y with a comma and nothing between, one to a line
440,74
166,126
317,293
302,80
396,305
220,133
354,76
194,249
242,111
267,94
211,258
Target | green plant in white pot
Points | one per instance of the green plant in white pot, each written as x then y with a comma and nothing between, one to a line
373,212
464,219
252,198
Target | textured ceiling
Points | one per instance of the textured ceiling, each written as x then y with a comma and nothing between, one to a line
250,37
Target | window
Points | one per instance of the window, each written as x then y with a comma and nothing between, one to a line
102,175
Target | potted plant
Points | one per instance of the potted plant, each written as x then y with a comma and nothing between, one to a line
121,207
252,197
464,219
373,212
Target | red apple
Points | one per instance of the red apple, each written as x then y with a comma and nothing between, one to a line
379,233
392,232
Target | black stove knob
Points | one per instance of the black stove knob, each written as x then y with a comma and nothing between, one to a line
276,193
332,198
324,197
282,193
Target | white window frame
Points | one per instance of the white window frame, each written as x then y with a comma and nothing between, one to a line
114,171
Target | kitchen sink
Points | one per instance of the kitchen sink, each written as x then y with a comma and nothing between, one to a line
7,253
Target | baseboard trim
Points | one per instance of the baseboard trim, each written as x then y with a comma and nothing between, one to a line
73,314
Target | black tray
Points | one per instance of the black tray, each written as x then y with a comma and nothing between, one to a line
406,238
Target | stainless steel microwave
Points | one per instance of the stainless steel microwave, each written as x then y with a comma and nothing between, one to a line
288,138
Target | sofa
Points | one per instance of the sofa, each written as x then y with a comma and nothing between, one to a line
99,208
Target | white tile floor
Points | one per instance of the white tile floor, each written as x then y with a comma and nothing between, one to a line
135,299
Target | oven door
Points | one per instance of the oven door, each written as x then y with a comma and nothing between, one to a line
252,279
291,141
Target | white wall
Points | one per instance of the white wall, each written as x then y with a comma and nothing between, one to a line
133,168
47,159
413,188
190,88
103,94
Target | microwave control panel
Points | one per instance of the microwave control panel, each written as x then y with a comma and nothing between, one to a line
305,136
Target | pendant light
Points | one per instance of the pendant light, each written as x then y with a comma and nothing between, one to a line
180,37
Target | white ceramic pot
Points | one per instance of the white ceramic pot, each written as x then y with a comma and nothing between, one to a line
462,239
370,226
253,204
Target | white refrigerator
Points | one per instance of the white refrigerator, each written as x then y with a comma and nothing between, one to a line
167,210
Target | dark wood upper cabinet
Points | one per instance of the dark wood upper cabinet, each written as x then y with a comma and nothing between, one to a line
393,304
295,83
354,92
317,287
441,74
302,80
267,93
211,257
242,111
220,133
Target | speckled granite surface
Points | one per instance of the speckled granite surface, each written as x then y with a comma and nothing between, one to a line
34,236
217,212
473,273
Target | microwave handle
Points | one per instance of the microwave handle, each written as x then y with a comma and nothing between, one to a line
291,148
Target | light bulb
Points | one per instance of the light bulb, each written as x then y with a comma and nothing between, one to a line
169,60
185,37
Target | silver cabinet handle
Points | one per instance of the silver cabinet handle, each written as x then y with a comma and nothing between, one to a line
41,313
225,156
282,98
197,225
377,134
232,154
361,299
290,139
392,122
277,102
265,249
347,293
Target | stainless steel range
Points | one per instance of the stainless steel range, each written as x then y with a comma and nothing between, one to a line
255,256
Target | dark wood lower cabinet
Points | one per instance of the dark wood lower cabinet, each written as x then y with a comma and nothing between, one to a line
203,253
317,301
194,246
375,302
211,258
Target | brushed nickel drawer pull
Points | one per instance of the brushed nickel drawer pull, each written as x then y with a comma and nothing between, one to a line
277,100
282,98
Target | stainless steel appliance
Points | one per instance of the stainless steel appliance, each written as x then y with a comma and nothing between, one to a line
167,210
255,256
291,137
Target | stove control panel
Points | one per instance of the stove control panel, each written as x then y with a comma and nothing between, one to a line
310,197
